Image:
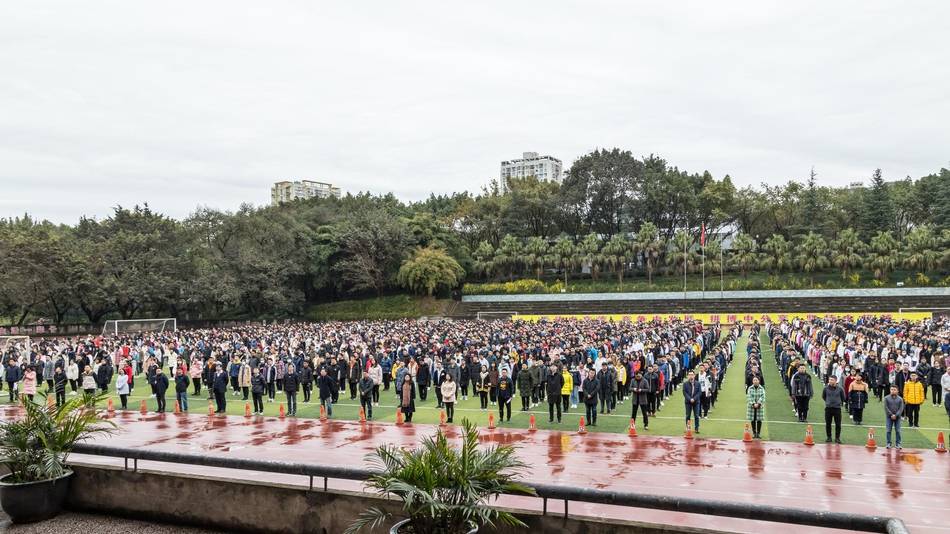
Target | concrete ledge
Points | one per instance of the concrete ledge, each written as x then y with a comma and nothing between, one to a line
246,506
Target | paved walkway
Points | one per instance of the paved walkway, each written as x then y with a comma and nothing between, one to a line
913,484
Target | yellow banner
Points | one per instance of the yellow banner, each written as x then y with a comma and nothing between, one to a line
729,318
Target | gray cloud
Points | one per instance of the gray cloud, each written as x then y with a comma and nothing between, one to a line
188,103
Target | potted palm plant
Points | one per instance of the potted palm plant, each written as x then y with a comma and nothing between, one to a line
444,489
35,448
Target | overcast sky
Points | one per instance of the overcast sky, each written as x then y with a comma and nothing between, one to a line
181,103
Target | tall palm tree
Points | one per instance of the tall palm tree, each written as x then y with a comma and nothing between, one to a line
776,254
590,253
812,254
680,253
563,253
535,253
484,259
743,255
945,247
920,249
847,251
617,252
649,246
884,255
509,254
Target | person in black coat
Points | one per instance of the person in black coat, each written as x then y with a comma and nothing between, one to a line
327,387
13,374
590,389
406,399
306,380
161,386
553,386
640,398
220,388
291,385
506,389
181,388
423,378
258,387
59,386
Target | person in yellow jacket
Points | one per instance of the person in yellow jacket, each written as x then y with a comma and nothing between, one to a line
621,380
567,388
913,397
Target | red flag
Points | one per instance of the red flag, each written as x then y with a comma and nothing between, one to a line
702,236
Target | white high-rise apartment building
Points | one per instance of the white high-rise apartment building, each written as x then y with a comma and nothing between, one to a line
530,164
286,191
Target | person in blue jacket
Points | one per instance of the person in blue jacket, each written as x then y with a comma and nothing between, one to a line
692,395
13,375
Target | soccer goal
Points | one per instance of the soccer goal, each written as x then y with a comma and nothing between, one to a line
131,326
496,315
17,347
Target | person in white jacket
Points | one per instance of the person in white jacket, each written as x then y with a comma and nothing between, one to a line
376,373
72,374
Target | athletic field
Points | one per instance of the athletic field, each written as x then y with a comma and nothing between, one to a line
726,419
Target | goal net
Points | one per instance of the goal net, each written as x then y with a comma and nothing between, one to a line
131,326
496,315
17,347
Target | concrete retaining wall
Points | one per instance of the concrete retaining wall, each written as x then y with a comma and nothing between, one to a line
242,506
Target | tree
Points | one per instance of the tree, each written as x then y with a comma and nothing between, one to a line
590,253
680,253
920,249
600,189
878,210
484,259
616,253
428,269
372,246
563,253
812,254
776,254
743,255
884,255
535,254
847,251
648,246
509,254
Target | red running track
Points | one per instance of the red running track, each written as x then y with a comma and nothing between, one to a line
913,485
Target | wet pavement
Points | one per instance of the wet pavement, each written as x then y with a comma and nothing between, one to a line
913,484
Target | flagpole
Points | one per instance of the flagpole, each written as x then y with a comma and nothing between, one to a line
721,294
685,245
702,241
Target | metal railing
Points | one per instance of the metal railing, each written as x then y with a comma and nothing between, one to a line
546,492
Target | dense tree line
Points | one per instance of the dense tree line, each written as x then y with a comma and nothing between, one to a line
613,213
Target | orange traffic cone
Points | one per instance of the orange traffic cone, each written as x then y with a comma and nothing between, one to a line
941,444
143,407
491,421
747,435
177,407
632,432
323,413
210,408
871,444
110,407
247,409
689,430
581,426
400,418
362,415
50,401
809,436
281,412
442,418
532,424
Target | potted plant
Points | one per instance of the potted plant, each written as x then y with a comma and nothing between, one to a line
444,489
35,448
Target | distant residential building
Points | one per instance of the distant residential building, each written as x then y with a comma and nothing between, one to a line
286,191
530,164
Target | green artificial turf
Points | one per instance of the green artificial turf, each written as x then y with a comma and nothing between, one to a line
726,419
